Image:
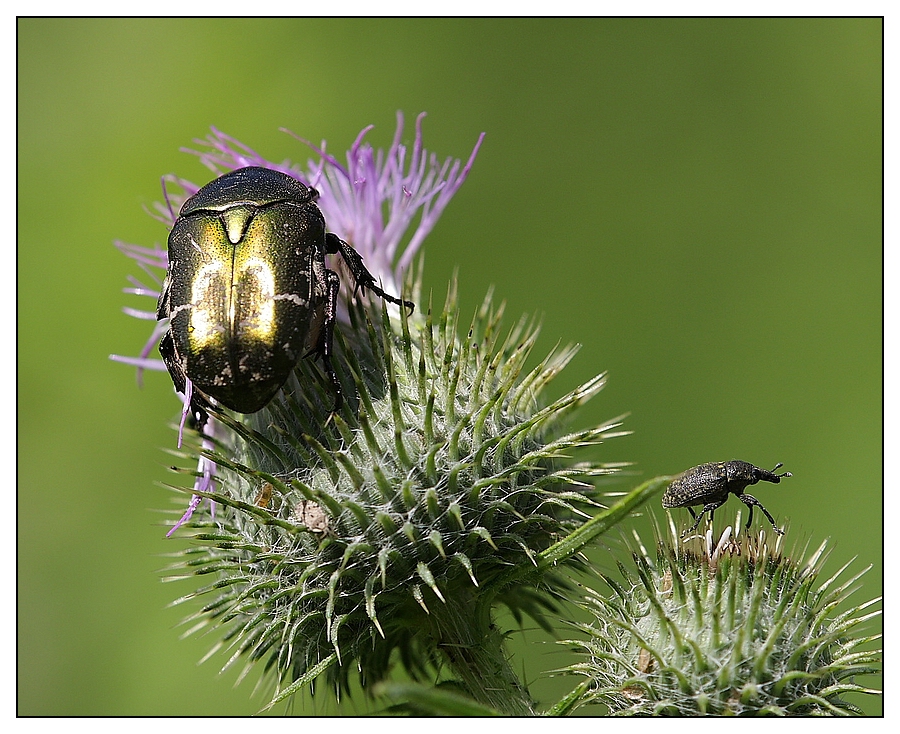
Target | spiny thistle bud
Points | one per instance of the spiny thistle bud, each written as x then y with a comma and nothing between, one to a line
345,537
733,627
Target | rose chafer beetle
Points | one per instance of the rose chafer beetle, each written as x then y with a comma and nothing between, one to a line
710,484
247,292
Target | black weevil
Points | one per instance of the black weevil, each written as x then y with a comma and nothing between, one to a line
710,484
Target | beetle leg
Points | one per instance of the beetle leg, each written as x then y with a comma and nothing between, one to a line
364,279
198,404
199,414
710,508
325,347
167,352
751,502
162,305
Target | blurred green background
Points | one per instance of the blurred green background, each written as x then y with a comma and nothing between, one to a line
697,202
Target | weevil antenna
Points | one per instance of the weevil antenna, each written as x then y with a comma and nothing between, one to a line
777,467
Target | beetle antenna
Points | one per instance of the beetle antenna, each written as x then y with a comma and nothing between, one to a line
777,467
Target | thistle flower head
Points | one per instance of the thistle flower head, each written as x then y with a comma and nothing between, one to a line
370,202
386,533
730,625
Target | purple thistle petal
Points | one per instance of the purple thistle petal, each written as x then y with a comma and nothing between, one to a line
186,407
327,158
374,200
140,289
136,313
227,154
153,256
205,481
144,364
192,505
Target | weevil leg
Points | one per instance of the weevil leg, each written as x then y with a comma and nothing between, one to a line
694,526
710,508
751,502
325,346
364,279
693,514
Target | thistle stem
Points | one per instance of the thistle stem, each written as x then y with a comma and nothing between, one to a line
473,648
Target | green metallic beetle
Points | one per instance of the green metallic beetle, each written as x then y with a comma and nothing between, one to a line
247,292
710,484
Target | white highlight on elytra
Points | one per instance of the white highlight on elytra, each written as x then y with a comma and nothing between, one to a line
256,277
292,297
203,326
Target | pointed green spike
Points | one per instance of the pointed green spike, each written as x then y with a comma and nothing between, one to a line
425,574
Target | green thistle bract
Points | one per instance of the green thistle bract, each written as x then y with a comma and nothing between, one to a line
376,534
727,628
